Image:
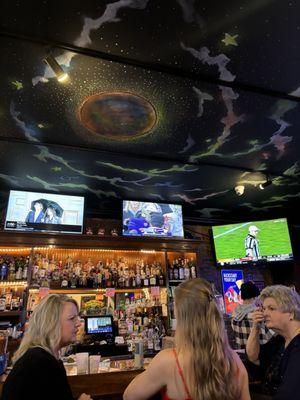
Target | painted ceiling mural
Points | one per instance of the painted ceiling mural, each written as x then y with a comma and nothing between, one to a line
171,101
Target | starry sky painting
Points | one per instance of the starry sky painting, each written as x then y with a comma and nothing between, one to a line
167,101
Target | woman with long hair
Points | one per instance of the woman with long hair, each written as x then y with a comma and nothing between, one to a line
51,216
202,366
37,371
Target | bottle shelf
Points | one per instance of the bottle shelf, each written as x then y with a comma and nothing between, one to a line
69,251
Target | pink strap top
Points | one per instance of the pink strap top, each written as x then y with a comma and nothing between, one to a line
164,395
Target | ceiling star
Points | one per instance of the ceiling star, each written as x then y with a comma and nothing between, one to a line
56,169
41,126
230,40
17,84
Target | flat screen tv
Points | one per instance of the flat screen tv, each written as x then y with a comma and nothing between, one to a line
152,219
255,241
36,212
99,324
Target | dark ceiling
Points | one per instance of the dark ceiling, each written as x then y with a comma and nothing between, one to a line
167,101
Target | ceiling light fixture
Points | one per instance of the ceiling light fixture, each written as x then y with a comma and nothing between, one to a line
265,184
61,75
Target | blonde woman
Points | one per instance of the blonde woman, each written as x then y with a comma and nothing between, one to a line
37,372
202,366
279,359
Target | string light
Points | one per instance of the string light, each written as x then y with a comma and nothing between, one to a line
13,283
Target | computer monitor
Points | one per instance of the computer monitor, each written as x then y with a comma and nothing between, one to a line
100,324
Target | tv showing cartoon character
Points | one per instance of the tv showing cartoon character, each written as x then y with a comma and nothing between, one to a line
152,219
254,241
34,211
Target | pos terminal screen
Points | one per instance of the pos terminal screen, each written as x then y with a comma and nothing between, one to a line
100,324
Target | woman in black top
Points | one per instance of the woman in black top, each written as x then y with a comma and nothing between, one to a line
279,359
37,372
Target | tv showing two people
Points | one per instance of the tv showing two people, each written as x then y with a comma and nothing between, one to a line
33,211
152,219
264,241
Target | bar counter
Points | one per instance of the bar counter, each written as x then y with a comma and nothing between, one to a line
112,384
106,385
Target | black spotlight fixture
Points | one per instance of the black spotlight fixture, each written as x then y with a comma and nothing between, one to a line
61,75
265,184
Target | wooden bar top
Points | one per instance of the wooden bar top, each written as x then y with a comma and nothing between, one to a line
107,385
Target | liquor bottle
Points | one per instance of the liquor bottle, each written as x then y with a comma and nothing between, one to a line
161,280
133,281
152,279
146,280
147,270
176,270
138,315
64,282
19,273
32,304
42,271
3,271
108,277
129,322
94,280
78,268
170,271
52,263
181,270
2,300
15,303
55,276
150,343
127,281
138,278
73,281
145,317
186,270
114,278
143,276
156,341
101,277
193,269
11,272
121,280
25,272
8,300
138,353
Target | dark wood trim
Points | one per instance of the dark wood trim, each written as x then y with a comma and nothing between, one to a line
10,313
32,239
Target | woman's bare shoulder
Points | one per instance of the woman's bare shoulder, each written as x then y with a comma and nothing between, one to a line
239,365
163,358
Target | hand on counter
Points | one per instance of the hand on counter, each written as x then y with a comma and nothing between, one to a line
84,396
